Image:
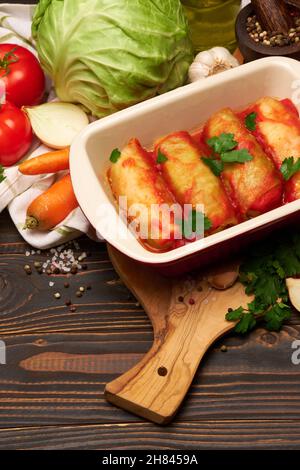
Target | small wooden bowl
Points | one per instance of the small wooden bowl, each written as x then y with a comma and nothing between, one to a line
252,50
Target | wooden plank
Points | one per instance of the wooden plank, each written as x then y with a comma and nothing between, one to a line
27,303
203,435
60,378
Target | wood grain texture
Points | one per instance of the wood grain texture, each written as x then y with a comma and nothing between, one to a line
204,435
273,15
254,379
52,387
155,387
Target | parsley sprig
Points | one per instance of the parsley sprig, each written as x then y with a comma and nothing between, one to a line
2,177
225,146
223,143
263,274
289,167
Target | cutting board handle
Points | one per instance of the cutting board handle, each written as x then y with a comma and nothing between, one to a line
156,386
187,316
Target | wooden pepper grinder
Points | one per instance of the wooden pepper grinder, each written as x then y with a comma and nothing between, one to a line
273,15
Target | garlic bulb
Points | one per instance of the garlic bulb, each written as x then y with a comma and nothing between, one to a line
211,62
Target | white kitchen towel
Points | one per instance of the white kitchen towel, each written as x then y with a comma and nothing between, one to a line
17,191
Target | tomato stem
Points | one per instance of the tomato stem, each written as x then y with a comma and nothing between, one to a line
8,59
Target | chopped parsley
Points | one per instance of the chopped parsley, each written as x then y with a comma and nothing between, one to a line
225,147
195,224
250,121
223,143
215,165
115,155
289,167
161,158
236,156
263,274
2,177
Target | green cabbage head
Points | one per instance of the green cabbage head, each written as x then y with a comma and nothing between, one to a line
110,54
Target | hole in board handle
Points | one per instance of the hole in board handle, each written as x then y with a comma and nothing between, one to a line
162,371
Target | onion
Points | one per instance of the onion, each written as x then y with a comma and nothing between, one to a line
293,286
56,124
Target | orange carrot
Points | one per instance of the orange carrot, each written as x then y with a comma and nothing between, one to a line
50,162
52,206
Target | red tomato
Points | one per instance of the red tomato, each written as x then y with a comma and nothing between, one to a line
22,74
15,134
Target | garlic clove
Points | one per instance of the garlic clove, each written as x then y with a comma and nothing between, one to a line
56,124
206,58
221,54
223,278
293,286
198,71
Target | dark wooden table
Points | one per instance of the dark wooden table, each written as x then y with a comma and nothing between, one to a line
51,390
58,363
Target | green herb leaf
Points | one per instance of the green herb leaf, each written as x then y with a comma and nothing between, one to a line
234,315
223,143
236,156
289,167
276,316
246,323
161,158
288,259
250,121
263,274
215,165
115,155
196,222
2,177
279,269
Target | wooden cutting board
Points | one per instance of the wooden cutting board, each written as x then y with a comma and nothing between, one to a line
187,316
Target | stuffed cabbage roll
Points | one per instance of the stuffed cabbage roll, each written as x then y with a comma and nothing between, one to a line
192,181
134,175
254,186
278,130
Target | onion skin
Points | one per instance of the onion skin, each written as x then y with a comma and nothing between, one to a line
56,124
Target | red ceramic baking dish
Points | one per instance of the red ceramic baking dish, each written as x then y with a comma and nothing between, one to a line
184,108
